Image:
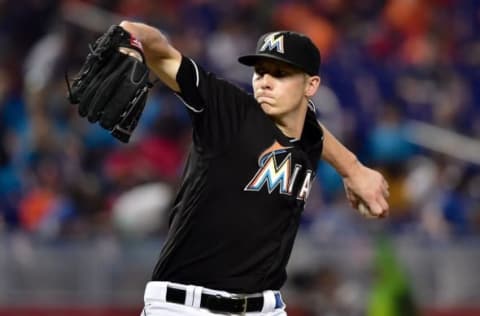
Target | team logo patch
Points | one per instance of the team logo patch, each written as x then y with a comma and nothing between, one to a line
276,171
272,42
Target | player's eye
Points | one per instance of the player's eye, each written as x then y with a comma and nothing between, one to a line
260,71
279,73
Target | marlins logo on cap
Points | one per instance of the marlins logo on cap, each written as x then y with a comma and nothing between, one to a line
290,47
272,43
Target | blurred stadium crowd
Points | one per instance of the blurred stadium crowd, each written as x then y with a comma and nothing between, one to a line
386,65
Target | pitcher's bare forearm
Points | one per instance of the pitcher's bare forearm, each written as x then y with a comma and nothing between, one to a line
337,155
161,57
362,184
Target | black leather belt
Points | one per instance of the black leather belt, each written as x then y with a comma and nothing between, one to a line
217,303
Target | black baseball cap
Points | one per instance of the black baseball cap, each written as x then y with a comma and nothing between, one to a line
290,47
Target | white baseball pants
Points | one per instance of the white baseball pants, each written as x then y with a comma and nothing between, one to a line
156,303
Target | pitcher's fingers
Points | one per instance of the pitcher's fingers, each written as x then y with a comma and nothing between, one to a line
385,184
386,193
374,207
353,199
385,206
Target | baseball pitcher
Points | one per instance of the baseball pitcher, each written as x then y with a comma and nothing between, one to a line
249,171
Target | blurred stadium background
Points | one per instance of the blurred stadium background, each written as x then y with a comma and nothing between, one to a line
82,217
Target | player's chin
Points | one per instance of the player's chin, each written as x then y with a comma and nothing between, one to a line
268,107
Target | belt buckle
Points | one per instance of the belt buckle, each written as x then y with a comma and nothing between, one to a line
244,302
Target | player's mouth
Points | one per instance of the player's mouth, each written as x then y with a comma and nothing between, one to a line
266,101
264,98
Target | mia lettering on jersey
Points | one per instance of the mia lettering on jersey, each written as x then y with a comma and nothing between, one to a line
281,176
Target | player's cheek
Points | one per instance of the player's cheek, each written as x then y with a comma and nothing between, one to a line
255,78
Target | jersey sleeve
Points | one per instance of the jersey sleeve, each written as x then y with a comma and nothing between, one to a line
217,107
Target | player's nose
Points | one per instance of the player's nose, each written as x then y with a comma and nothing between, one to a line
266,81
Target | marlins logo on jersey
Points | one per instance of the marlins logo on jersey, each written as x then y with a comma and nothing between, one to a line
273,174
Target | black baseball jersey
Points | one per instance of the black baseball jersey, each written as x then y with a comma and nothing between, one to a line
235,217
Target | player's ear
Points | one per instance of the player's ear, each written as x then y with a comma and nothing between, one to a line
311,85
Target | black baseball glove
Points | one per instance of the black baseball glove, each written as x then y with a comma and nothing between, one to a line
113,83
